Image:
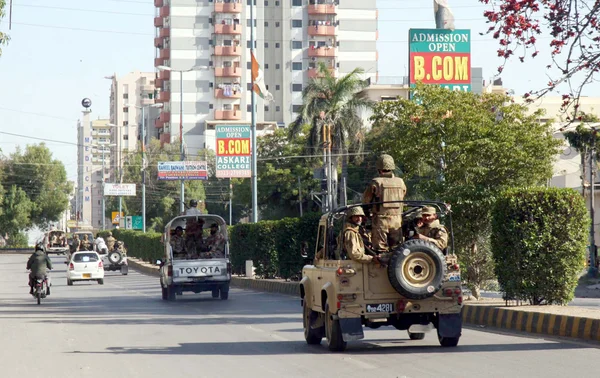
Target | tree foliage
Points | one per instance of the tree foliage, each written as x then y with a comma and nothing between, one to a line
464,149
43,179
575,39
539,243
15,211
4,38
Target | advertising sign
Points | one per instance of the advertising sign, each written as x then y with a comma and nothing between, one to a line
442,57
233,151
182,170
116,217
119,189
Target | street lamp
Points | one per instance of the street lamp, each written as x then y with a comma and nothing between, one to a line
103,179
195,68
143,158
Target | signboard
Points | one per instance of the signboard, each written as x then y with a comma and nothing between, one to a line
136,222
71,223
182,170
119,189
128,222
439,56
233,151
116,218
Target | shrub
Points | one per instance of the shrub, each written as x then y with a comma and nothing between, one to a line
144,246
539,238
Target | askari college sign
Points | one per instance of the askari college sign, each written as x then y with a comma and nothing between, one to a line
233,151
442,57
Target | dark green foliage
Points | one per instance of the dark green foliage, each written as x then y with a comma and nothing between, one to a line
146,246
539,238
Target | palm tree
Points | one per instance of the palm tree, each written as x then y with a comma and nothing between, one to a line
337,102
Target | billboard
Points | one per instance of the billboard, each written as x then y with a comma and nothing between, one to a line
182,170
119,189
442,57
233,151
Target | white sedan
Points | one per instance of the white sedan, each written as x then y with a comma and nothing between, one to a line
85,266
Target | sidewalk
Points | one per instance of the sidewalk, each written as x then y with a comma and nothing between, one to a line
566,321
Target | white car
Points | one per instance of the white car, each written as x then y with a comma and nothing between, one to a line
85,266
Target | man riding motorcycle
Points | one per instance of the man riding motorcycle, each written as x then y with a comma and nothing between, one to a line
39,263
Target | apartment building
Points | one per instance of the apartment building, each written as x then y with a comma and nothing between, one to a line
137,90
210,39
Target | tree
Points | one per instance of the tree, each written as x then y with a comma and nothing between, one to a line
336,102
464,149
16,211
43,179
575,30
4,38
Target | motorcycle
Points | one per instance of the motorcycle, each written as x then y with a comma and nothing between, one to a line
40,289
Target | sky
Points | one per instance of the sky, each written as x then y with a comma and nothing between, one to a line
60,52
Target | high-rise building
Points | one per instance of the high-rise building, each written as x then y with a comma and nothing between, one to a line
210,40
135,89
83,195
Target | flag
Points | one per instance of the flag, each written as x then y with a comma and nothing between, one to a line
258,81
444,19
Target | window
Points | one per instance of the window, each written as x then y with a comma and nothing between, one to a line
249,2
266,108
249,65
296,66
125,110
249,44
266,24
249,108
248,23
277,87
296,3
296,45
277,45
277,24
266,45
227,107
296,87
321,241
125,137
266,66
125,96
125,123
210,106
296,108
277,66
277,3
296,23
277,108
249,86
266,3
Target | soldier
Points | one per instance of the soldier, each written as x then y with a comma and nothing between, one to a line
216,242
352,240
193,210
177,243
75,244
431,229
194,238
85,244
387,217
110,241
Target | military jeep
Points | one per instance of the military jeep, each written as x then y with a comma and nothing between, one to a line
416,288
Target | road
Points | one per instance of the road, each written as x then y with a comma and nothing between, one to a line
124,329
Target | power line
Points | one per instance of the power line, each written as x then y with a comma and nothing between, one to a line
37,114
82,10
81,29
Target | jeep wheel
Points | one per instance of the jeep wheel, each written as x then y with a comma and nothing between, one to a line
311,335
171,295
164,293
224,295
215,293
416,269
416,335
333,332
448,342
115,257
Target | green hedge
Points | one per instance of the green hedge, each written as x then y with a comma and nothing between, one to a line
139,245
539,242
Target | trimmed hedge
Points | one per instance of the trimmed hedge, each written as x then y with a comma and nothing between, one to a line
146,246
539,242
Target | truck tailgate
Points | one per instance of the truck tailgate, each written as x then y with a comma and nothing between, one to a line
193,270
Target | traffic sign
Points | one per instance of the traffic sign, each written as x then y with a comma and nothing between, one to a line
115,217
136,222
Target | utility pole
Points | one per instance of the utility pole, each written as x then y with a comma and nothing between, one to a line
143,172
181,204
230,203
254,184
592,271
300,195
103,198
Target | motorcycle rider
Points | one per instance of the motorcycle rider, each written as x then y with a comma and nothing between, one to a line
39,263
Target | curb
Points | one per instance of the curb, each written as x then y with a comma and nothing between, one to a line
142,266
18,251
575,327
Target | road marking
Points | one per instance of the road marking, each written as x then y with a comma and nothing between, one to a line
359,363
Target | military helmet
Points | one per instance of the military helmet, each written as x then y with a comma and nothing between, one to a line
428,210
385,163
193,203
109,233
357,210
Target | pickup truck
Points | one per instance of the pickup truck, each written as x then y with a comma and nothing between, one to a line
195,260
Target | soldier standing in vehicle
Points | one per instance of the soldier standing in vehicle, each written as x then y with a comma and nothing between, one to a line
85,244
215,242
387,217
110,241
430,228
351,238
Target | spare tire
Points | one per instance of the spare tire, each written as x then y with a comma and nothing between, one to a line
115,257
417,269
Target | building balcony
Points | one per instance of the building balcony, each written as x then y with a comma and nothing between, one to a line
158,22
147,88
158,42
164,11
158,62
220,93
165,138
158,83
158,123
164,116
231,7
228,50
164,75
321,9
314,72
228,29
321,30
163,97
228,72
147,101
158,3
322,52
165,53
164,32
228,115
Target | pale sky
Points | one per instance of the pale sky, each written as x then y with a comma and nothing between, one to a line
61,50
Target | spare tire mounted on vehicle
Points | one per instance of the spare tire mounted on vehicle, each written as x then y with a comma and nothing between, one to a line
417,269
115,257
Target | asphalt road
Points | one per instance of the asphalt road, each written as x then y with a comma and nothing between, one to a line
124,329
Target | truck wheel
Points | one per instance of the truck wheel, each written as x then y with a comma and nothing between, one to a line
101,281
115,257
448,342
164,293
417,269
224,294
416,335
171,296
215,293
124,269
69,282
311,335
333,332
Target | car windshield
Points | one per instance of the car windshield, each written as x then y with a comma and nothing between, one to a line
85,257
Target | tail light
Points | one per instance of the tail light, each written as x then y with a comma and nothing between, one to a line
448,292
170,271
400,306
339,305
100,265
71,266
346,297
339,272
457,291
229,268
345,272
459,300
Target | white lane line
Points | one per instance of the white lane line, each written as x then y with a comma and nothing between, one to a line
359,363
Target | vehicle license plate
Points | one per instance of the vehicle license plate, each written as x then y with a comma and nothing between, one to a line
87,275
454,277
380,307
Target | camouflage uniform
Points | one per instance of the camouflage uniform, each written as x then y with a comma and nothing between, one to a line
110,242
216,243
352,241
177,243
85,244
434,231
387,217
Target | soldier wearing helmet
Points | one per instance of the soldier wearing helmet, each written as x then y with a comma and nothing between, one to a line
430,228
387,217
193,210
352,241
110,241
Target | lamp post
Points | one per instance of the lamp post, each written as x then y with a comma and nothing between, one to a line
181,151
144,157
